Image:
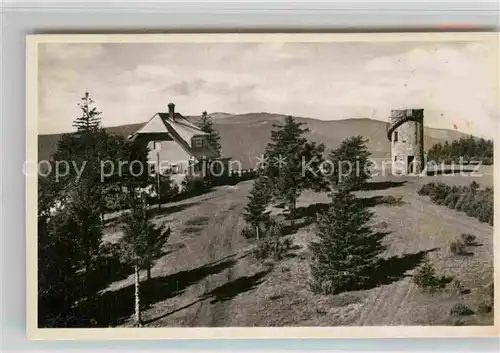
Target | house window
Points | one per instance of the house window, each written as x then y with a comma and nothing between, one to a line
395,139
198,142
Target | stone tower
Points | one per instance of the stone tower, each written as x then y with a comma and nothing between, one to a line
406,133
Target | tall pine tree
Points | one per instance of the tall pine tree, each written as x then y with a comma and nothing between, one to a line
206,125
82,192
70,235
83,150
347,248
292,163
255,211
81,189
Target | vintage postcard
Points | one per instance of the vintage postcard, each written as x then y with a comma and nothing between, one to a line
262,185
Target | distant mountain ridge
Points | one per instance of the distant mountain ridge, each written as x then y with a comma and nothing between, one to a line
245,136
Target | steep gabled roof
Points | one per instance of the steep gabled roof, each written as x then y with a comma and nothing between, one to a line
179,118
152,126
180,130
184,128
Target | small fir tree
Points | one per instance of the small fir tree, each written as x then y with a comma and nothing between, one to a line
351,163
427,279
157,236
292,163
255,211
206,125
347,248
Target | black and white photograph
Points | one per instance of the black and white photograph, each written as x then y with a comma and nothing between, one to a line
263,181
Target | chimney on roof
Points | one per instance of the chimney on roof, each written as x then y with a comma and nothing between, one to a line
171,110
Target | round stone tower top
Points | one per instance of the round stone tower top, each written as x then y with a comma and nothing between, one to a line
416,114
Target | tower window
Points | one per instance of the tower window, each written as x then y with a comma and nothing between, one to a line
395,139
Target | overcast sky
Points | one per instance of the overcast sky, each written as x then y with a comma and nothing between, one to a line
130,82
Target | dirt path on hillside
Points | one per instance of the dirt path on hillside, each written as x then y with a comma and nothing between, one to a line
223,229
212,257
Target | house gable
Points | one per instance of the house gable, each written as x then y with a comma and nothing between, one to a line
154,125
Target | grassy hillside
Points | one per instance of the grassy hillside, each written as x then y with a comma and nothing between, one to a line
244,137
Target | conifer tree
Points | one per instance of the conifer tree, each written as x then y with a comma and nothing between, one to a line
255,211
142,242
75,230
351,163
469,148
58,282
90,121
157,236
206,125
347,248
85,150
83,207
292,163
83,190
